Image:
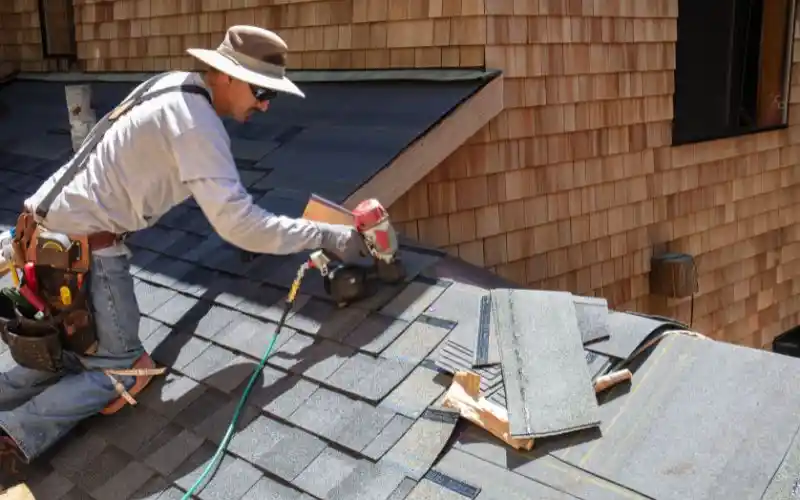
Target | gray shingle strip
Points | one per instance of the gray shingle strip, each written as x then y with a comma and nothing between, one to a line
175,309
170,455
231,482
369,377
201,408
786,482
419,448
165,270
76,453
227,290
627,332
368,481
418,340
220,368
185,475
262,301
269,489
197,282
125,483
130,427
388,436
311,316
167,433
217,423
416,392
451,357
180,248
328,469
50,485
375,332
437,485
415,298
251,336
170,394
403,489
316,359
150,297
351,423
207,320
105,465
157,488
277,392
342,323
592,313
179,349
76,494
536,465
697,386
504,484
142,257
278,448
598,365
548,386
155,238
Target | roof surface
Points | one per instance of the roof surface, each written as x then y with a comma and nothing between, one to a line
347,407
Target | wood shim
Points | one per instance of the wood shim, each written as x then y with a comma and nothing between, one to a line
464,396
428,151
321,210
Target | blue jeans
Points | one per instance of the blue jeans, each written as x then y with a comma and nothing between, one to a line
38,408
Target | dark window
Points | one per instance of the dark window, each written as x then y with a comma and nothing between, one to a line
57,25
733,60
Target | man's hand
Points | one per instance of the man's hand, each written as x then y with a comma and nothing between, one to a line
343,241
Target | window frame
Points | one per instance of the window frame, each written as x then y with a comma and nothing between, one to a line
786,76
47,53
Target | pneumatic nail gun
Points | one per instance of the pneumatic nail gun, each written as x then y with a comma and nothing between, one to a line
347,283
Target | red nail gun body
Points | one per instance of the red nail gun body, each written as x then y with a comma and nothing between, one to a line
347,283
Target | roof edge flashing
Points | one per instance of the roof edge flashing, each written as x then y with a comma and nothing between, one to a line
434,145
299,76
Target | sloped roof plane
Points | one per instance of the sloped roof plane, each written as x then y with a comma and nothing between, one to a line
347,407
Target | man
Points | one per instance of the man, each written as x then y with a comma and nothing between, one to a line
155,155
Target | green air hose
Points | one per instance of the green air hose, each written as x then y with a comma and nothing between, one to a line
229,434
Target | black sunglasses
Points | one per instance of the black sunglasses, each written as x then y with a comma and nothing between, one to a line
261,94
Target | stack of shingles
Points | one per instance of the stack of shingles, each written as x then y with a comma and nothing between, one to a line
538,354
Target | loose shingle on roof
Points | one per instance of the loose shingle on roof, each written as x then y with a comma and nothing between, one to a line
349,405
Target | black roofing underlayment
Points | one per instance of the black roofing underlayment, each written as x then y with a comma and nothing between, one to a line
349,405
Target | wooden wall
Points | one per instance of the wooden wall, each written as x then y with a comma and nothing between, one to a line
20,39
575,184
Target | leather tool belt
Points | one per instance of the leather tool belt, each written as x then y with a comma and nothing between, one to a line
57,315
56,266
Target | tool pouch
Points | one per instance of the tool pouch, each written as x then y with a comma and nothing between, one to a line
75,319
33,344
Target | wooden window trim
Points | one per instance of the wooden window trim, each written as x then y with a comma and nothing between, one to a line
761,112
67,36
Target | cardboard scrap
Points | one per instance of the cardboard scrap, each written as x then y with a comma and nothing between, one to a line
464,396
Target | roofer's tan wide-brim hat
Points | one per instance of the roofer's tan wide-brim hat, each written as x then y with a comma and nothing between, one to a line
253,55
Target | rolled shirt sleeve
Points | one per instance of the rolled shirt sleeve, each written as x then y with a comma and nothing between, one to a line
207,168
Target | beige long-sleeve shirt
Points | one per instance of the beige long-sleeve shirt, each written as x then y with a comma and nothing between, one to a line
156,156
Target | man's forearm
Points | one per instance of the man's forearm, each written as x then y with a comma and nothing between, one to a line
230,210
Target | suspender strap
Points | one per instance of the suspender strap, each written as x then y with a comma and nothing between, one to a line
78,161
